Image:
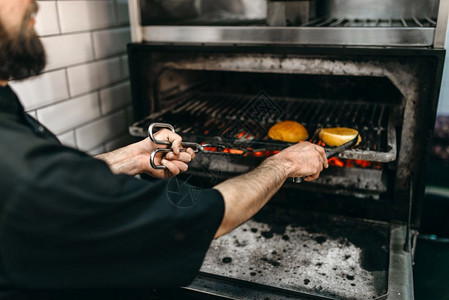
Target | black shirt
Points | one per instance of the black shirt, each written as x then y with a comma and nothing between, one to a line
67,222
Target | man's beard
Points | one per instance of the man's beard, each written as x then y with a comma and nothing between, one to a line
21,55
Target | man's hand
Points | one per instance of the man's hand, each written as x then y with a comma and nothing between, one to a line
175,161
303,160
135,158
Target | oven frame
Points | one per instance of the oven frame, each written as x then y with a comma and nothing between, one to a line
307,36
406,194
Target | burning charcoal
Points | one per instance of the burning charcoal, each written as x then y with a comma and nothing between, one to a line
306,281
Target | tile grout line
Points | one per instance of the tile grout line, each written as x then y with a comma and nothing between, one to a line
66,72
58,17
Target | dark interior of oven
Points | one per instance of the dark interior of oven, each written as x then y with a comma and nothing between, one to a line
236,109
288,245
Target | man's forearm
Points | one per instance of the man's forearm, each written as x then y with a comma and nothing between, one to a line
119,161
245,195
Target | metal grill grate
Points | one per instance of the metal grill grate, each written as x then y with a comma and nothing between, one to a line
205,117
346,22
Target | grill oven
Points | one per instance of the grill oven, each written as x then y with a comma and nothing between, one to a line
349,234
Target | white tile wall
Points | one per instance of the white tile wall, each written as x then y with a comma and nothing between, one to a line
111,41
47,18
125,67
115,143
71,113
86,15
68,139
66,50
115,97
122,11
83,96
95,133
96,150
42,90
94,75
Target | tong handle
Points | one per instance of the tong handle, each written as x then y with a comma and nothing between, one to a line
195,146
160,126
153,156
298,179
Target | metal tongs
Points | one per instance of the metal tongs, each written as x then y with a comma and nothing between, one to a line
195,146
332,153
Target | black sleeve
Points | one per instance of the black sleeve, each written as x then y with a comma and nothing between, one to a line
73,224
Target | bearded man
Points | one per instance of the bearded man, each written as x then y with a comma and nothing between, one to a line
73,226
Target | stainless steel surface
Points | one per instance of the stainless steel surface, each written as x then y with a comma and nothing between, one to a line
283,13
194,146
400,275
378,8
223,35
372,22
159,126
151,131
177,12
232,22
134,20
441,26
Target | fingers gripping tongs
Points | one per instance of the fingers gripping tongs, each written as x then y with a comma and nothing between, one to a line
332,152
194,146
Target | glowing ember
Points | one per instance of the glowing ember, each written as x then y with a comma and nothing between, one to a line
241,134
336,162
233,151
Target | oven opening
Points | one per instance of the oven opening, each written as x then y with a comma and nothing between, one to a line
230,113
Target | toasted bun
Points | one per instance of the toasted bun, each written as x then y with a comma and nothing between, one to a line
338,136
288,131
